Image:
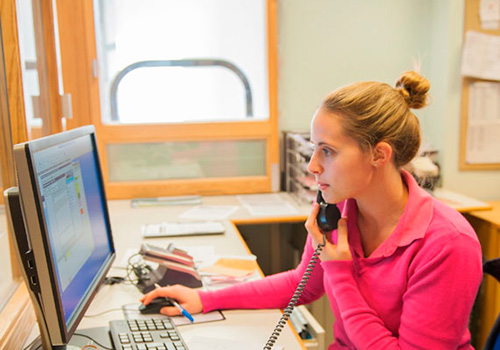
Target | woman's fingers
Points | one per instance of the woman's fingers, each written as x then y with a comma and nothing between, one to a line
343,251
186,297
312,226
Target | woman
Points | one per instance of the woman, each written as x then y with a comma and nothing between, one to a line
402,270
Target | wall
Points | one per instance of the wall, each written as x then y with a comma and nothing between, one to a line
324,44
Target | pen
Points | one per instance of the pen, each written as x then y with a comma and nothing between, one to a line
179,307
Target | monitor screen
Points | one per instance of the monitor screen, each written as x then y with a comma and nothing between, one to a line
67,226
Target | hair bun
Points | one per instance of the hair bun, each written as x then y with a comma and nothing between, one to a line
414,88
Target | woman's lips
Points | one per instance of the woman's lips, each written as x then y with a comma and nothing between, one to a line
322,186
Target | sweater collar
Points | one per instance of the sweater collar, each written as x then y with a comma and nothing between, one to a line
411,226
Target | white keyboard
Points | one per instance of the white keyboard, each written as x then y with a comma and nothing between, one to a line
172,229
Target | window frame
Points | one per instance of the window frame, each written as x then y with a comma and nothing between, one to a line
17,318
79,59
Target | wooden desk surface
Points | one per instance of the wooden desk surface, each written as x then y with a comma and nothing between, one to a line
492,216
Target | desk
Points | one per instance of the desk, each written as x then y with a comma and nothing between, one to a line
250,328
241,217
487,226
247,326
461,203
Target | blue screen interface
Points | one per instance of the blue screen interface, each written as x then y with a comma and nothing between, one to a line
74,207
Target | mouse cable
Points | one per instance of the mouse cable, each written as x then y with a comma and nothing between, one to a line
102,313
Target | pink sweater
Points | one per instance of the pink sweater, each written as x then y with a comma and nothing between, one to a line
415,291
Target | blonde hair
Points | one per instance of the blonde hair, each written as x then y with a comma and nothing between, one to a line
372,112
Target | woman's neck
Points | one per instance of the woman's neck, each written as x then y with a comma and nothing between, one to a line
379,210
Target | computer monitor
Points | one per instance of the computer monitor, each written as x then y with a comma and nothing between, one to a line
61,228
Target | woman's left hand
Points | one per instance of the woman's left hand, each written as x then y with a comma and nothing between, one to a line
339,251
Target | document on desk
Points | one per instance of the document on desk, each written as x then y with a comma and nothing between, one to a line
209,212
271,204
483,129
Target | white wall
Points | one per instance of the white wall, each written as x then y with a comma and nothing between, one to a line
324,44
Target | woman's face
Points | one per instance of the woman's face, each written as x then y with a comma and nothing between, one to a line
341,168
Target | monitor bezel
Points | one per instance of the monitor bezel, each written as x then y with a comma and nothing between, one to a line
49,296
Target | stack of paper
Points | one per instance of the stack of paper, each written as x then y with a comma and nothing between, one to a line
229,270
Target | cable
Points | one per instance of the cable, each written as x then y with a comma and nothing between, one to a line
92,339
295,298
102,313
139,268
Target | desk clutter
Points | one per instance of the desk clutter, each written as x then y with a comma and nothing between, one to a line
170,265
173,266
298,181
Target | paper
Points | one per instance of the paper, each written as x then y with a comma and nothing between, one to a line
480,57
266,205
231,267
209,212
131,311
200,253
483,129
489,14
159,201
458,201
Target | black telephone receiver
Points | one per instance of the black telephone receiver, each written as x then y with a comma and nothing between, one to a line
328,215
327,219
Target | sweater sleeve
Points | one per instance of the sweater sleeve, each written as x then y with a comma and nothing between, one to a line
442,287
271,292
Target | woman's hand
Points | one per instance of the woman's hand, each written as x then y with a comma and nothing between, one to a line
188,298
340,251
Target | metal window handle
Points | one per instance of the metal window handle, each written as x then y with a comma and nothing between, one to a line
197,62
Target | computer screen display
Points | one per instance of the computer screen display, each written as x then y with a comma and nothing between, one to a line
70,194
67,226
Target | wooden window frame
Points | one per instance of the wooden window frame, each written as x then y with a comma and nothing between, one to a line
17,318
78,56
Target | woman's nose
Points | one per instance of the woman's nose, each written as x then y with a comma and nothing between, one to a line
314,167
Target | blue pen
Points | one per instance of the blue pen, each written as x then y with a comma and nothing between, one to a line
178,306
181,309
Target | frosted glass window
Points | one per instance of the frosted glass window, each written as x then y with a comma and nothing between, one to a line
187,41
186,160
29,65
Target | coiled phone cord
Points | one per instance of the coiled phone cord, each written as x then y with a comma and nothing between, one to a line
296,295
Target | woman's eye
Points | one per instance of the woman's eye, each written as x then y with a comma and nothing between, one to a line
327,152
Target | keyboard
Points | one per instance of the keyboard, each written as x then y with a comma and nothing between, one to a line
146,334
171,229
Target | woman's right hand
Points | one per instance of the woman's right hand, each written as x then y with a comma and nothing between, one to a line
188,298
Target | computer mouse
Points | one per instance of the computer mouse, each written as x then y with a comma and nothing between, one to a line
155,306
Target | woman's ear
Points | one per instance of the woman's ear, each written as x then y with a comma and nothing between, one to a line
381,153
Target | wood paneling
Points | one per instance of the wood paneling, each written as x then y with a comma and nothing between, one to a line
17,317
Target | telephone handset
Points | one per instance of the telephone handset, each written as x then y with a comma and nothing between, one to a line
327,220
328,216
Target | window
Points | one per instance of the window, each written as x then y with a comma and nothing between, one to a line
153,123
174,61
